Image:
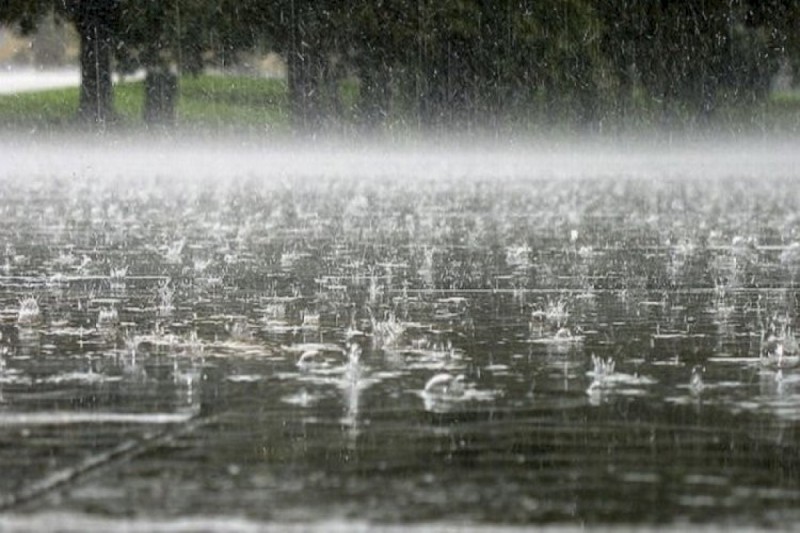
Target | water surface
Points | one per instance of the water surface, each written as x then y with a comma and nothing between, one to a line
253,337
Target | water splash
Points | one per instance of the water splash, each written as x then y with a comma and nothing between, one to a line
165,303
29,313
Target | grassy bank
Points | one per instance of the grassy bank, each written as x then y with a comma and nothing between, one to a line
206,102
231,104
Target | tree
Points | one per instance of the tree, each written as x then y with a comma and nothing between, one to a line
479,62
96,23
463,63
151,40
690,58
381,47
174,37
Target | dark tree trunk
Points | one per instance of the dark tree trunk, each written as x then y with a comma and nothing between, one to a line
93,22
433,88
303,63
303,91
375,92
624,97
587,93
160,97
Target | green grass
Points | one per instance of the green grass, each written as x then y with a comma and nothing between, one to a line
236,104
233,102
213,102
55,107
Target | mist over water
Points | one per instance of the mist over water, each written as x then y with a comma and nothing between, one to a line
120,157
570,331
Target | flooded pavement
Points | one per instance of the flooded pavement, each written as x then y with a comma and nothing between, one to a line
258,347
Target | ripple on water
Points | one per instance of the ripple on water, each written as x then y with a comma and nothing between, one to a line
79,377
303,398
508,284
245,378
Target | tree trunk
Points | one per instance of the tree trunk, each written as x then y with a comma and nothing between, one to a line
160,97
433,87
303,66
94,25
587,93
375,92
303,91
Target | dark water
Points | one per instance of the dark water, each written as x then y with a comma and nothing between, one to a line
259,348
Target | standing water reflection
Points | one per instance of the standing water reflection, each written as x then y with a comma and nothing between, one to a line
491,348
